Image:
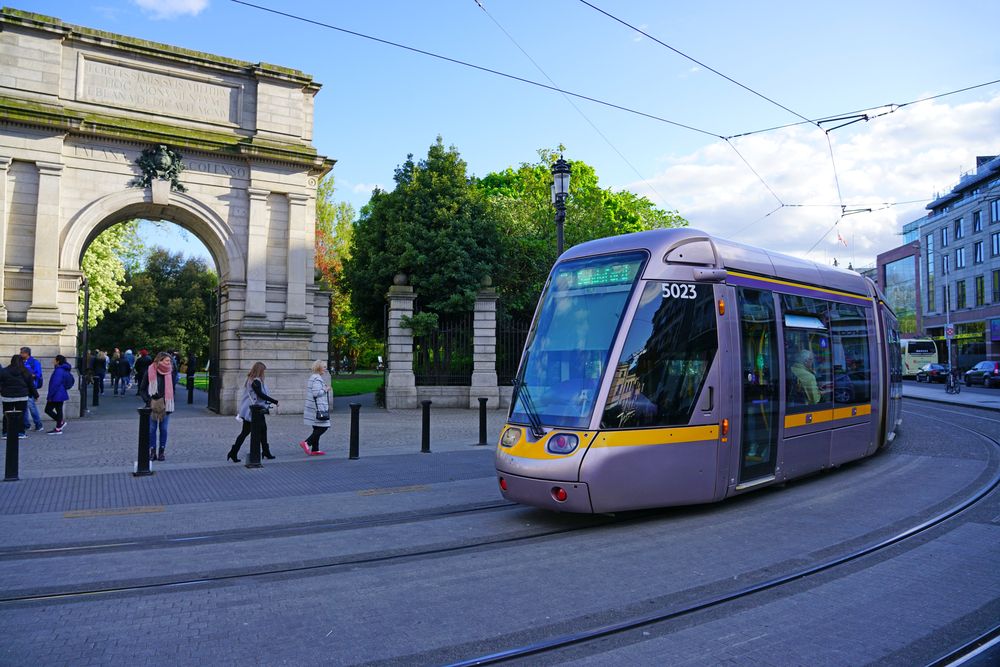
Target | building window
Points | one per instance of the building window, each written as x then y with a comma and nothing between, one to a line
944,237
900,287
980,291
958,229
977,222
960,258
960,294
930,273
996,286
995,244
977,252
995,211
945,268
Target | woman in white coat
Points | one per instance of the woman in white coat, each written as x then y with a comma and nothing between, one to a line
316,412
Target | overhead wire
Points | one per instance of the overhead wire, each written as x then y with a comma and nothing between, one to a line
697,62
649,185
851,117
481,68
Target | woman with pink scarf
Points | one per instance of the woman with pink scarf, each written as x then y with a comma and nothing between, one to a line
156,388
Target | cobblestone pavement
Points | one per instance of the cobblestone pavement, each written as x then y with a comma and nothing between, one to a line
107,439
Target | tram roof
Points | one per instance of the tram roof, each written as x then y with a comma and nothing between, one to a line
729,255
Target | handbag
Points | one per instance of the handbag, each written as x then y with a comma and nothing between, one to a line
159,408
321,415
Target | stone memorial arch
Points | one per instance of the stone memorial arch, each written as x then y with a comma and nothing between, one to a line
97,128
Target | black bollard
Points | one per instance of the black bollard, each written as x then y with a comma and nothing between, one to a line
14,418
355,411
142,460
97,394
482,420
190,389
84,381
425,437
256,424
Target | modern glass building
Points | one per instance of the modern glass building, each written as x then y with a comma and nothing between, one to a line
945,280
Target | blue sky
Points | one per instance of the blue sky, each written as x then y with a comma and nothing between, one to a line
379,103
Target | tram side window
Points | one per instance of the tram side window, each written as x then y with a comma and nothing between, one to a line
670,346
807,354
851,367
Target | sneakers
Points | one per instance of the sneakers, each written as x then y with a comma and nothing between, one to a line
305,447
22,436
55,431
317,453
38,427
61,425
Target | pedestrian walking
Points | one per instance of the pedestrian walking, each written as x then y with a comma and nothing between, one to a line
156,388
141,366
129,357
254,393
100,370
316,412
124,373
16,385
60,382
35,368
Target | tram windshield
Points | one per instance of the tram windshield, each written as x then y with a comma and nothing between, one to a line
568,347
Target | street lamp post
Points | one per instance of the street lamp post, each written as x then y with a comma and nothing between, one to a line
560,190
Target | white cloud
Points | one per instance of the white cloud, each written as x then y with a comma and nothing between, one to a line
908,155
366,188
168,9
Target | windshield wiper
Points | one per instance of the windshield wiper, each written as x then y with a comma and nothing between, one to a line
521,391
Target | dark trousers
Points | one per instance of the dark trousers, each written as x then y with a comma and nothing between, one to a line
54,409
313,439
17,406
246,431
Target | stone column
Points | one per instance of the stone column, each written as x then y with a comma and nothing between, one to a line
299,251
45,272
400,383
256,299
484,351
4,214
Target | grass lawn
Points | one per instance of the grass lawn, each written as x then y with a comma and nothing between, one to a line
363,382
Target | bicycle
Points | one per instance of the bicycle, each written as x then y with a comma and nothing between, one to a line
953,386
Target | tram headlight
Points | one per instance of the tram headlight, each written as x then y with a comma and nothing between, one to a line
562,443
510,437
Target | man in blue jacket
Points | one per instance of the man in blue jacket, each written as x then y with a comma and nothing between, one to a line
35,367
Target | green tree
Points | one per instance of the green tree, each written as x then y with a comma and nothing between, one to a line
106,263
167,308
435,226
520,200
334,229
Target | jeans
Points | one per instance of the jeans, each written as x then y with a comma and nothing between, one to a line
153,424
33,409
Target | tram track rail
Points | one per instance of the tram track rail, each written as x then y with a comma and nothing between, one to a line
235,535
321,565
955,655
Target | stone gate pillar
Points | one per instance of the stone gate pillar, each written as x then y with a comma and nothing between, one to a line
484,351
400,383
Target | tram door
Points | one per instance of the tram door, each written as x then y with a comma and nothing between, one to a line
760,385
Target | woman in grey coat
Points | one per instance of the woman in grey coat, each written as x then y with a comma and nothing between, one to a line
318,399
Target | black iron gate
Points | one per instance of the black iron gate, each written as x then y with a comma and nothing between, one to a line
214,348
444,357
511,335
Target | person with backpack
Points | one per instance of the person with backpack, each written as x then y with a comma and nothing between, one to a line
35,368
60,382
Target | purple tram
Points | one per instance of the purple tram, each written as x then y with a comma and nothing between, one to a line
670,367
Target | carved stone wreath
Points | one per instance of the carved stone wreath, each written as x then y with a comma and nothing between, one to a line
159,163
